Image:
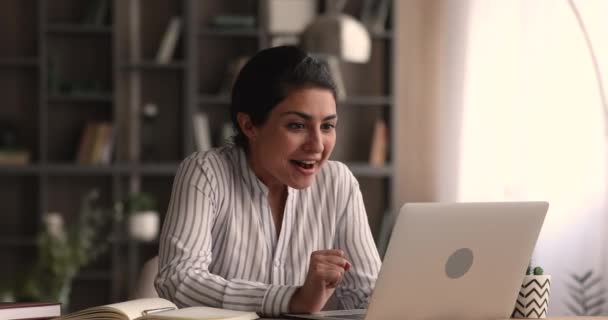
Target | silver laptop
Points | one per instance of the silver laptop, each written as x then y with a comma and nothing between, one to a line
453,261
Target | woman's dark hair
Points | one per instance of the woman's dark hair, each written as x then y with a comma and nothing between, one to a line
268,78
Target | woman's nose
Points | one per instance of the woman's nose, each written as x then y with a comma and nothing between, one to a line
315,141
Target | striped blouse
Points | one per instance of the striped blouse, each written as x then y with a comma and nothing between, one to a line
219,246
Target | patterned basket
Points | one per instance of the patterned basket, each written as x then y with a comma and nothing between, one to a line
533,298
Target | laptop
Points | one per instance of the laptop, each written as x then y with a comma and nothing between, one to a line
452,261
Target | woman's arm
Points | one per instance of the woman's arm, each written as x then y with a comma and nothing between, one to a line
355,238
186,252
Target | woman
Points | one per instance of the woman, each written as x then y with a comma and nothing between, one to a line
270,225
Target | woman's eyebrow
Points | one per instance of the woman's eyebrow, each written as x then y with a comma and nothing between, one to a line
307,116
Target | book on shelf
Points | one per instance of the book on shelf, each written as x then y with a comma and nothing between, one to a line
29,310
375,14
96,143
156,309
169,41
336,74
232,71
227,134
97,12
202,131
230,22
14,157
379,146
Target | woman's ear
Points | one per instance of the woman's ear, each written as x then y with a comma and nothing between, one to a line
246,125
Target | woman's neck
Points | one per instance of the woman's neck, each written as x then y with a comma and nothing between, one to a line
275,187
277,191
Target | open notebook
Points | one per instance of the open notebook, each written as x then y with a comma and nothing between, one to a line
156,309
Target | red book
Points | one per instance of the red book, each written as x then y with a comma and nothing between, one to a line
29,310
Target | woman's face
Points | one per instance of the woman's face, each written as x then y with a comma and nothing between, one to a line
296,140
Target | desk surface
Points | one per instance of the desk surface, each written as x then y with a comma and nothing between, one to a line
548,318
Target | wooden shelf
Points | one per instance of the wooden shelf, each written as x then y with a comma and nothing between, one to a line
18,241
78,169
367,170
153,65
81,97
350,101
68,168
213,99
367,101
158,169
169,169
248,33
384,35
29,169
18,62
78,29
138,242
94,275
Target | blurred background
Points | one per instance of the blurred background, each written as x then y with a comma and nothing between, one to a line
439,100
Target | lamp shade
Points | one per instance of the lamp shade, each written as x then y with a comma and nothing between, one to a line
338,35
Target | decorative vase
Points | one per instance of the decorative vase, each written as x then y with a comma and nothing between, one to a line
533,297
63,296
144,225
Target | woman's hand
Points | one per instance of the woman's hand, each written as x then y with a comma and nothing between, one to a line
325,272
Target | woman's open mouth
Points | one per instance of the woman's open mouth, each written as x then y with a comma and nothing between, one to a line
306,167
304,164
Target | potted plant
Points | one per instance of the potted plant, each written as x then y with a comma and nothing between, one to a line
533,297
143,221
64,247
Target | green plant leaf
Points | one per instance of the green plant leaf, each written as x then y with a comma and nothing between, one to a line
142,201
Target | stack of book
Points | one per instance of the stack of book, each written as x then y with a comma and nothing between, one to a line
96,144
14,157
29,310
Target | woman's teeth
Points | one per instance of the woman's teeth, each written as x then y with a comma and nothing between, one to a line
304,164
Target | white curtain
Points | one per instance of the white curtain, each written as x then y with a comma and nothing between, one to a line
533,125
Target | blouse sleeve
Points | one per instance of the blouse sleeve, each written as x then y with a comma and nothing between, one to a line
355,238
186,252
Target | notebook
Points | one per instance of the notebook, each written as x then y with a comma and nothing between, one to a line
452,261
156,309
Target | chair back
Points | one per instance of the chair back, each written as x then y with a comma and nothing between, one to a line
145,283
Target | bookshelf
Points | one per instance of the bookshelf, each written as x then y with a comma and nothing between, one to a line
62,71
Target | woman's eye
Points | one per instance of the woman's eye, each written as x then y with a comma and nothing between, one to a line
328,126
295,125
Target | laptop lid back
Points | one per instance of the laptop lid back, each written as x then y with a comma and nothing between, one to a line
456,260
